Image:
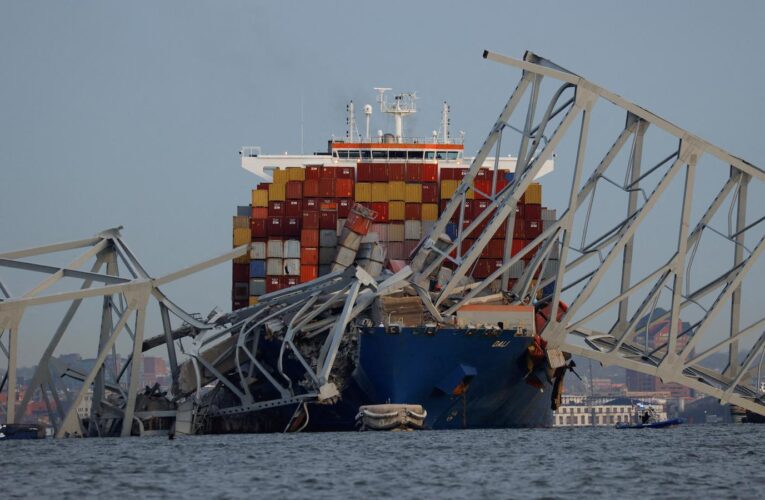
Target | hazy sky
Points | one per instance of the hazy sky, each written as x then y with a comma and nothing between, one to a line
133,113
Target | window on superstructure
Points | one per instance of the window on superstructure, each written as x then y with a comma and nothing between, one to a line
380,154
440,155
396,154
415,155
353,154
366,154
452,155
342,154
429,155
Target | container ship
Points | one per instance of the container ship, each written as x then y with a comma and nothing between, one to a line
368,202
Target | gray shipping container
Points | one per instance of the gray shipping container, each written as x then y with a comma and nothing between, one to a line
292,249
325,269
340,225
258,250
326,255
516,270
275,267
292,267
551,268
412,230
257,286
327,238
275,249
395,232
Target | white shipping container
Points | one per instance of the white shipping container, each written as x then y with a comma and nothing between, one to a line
275,267
381,230
427,226
257,286
349,239
345,256
412,230
326,255
548,214
258,250
292,249
340,225
275,249
551,268
396,232
292,267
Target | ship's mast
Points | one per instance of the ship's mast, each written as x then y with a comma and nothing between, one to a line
445,122
403,105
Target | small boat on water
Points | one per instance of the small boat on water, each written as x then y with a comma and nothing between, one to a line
21,431
651,425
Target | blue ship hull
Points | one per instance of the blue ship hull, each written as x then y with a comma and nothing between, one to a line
462,380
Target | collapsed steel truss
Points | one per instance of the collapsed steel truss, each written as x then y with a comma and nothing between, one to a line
327,305
673,361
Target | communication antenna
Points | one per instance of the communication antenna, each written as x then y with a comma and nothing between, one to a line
445,122
350,122
403,105
368,117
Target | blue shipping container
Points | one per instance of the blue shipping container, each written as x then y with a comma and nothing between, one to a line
257,269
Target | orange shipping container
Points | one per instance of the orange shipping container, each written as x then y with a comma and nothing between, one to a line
277,192
380,192
344,188
294,190
259,212
413,193
363,192
309,237
396,191
309,256
308,273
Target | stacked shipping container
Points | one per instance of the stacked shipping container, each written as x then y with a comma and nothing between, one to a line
295,220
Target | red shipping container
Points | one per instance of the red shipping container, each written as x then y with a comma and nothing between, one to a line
343,188
429,172
344,207
430,192
478,206
291,226
396,171
309,237
519,231
239,304
259,213
520,210
328,173
494,250
310,220
448,174
482,188
345,173
460,173
364,172
533,228
293,208
518,245
358,224
273,284
413,172
311,188
311,204
309,256
294,190
381,208
532,211
485,267
308,273
327,188
263,186
313,172
501,231
275,226
275,208
258,228
380,172
240,272
288,281
413,211
483,173
328,220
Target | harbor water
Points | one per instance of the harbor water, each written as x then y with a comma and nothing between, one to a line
708,461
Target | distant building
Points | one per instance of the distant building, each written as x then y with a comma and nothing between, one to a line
653,336
583,411
155,371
